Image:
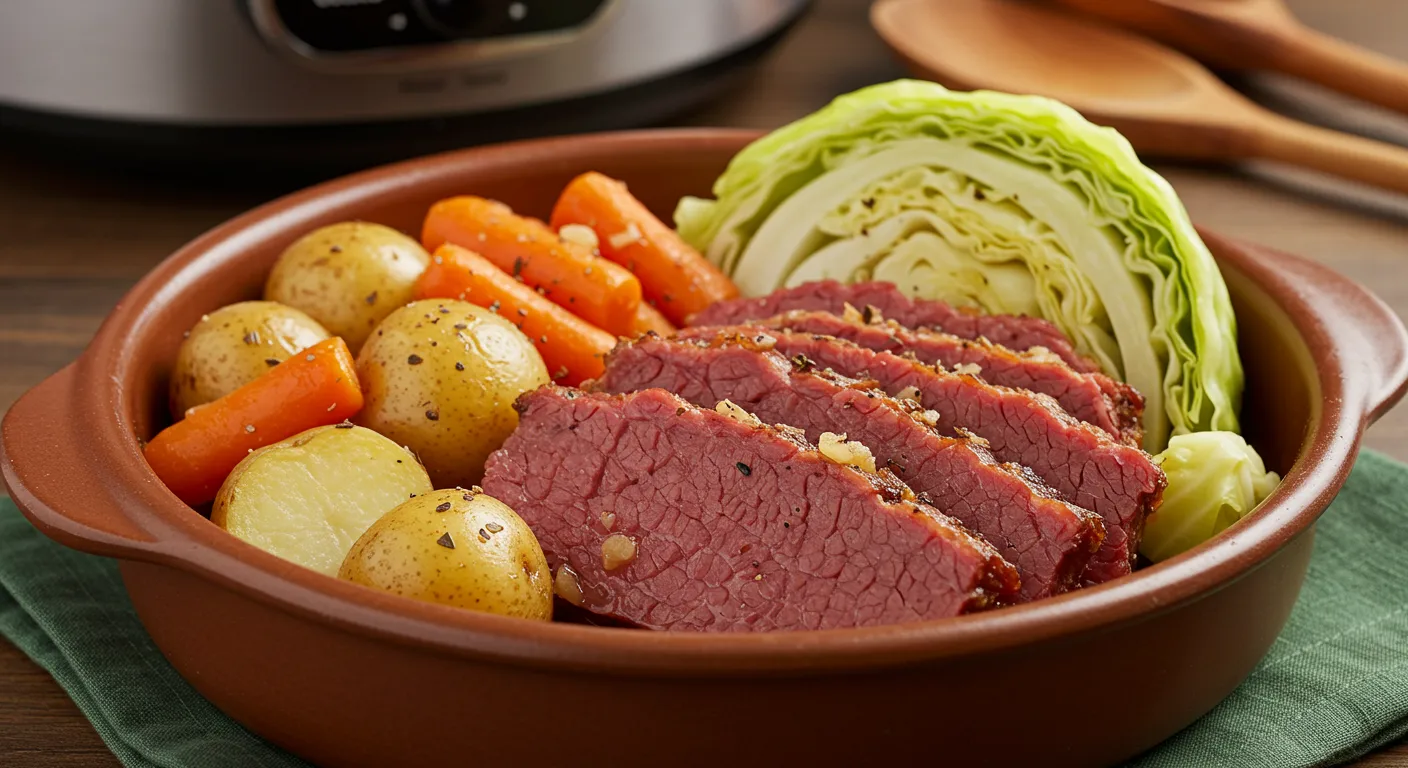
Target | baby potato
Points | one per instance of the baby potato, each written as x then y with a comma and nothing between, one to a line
233,346
308,498
456,547
348,276
440,376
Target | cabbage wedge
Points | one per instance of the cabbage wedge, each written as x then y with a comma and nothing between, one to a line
1011,204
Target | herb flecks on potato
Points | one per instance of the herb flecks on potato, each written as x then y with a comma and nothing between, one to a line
455,547
348,276
235,345
440,376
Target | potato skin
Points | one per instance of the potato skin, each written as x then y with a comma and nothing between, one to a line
348,276
455,547
308,498
233,346
440,376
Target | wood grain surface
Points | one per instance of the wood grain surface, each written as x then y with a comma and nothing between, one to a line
73,239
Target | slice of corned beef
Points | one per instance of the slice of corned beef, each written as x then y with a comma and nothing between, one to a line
1119,482
1091,397
1011,331
1049,541
710,523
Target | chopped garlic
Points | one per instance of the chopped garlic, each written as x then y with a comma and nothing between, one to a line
581,234
764,342
930,417
733,411
623,239
842,451
617,551
972,438
851,315
971,369
1042,354
910,392
567,586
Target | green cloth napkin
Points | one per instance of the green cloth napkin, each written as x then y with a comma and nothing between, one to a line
1333,687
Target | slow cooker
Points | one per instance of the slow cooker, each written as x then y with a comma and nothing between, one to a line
333,84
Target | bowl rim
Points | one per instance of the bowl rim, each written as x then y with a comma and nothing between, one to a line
185,540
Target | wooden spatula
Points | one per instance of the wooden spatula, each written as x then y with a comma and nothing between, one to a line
1166,103
1258,35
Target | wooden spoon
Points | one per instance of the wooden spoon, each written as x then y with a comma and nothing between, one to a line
1164,102
1259,35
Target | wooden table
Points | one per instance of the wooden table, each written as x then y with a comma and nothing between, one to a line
72,241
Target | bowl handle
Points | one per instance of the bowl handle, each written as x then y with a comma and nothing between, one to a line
51,476
1372,340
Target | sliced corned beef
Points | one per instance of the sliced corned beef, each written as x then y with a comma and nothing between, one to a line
1049,541
1011,331
1091,397
711,523
1085,465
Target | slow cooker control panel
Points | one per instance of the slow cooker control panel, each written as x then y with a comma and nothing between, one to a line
327,28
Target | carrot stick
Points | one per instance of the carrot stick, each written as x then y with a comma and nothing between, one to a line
648,318
569,274
314,388
572,348
673,276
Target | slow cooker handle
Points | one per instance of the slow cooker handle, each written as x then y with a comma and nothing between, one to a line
54,479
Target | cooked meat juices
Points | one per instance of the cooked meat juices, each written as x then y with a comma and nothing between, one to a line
1011,331
1091,397
1085,465
1049,541
673,517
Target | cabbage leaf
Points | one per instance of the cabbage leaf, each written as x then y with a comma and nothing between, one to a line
1214,480
1011,204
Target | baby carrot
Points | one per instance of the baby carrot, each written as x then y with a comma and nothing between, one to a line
673,276
572,348
569,274
648,318
314,388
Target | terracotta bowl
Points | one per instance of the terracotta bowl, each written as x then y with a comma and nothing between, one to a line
343,675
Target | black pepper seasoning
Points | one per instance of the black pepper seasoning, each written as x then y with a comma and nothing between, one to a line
252,337
459,366
271,362
443,507
446,541
432,415
371,298
744,468
414,360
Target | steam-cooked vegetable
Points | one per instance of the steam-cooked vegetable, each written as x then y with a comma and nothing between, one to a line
1214,479
235,345
440,376
673,276
572,348
348,276
1008,203
315,387
309,498
455,547
601,292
